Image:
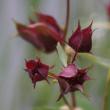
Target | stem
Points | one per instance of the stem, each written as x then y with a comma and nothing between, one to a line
73,94
65,34
52,75
73,100
74,57
67,103
107,90
67,18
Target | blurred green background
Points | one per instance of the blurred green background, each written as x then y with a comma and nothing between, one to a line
16,91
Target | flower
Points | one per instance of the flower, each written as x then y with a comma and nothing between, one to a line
107,7
37,70
43,34
81,39
72,79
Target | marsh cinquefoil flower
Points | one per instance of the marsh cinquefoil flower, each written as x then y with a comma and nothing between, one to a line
37,70
43,34
81,39
72,79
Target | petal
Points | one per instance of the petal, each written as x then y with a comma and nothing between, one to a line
87,32
49,37
31,64
76,38
81,40
86,77
40,35
82,76
49,20
44,29
43,70
37,71
29,34
79,87
69,71
86,44
64,86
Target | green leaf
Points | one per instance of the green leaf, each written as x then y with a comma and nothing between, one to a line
96,59
62,55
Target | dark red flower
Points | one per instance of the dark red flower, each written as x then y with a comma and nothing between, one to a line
107,6
72,79
81,40
43,34
37,71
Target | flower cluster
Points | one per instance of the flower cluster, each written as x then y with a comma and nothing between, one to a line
44,34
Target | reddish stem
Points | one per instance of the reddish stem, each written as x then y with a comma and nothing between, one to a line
67,19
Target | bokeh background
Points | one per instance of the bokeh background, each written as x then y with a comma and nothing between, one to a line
16,91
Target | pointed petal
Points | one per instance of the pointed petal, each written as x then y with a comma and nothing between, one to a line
49,20
81,40
64,86
60,96
86,77
76,38
87,38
